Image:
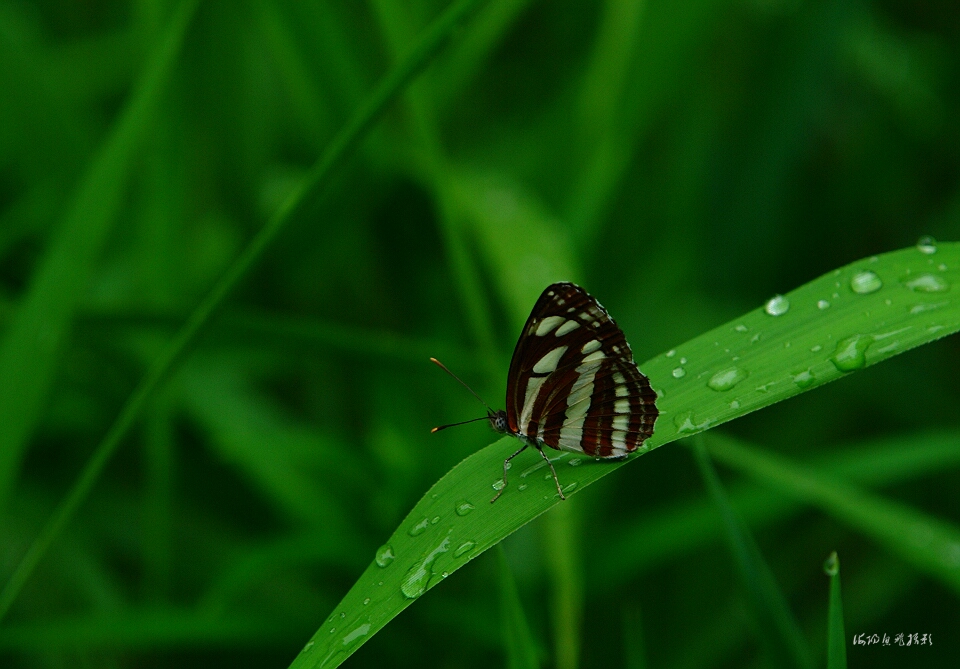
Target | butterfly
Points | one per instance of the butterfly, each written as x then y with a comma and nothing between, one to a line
573,384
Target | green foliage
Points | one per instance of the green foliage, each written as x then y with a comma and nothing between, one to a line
232,233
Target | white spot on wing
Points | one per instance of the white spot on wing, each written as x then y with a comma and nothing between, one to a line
622,406
548,363
548,324
596,355
622,391
618,438
621,423
590,346
533,388
577,411
567,327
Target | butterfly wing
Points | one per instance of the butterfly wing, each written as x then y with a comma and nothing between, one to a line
573,384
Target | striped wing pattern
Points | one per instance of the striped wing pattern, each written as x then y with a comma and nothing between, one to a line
573,384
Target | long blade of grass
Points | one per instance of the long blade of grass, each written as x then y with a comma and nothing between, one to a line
430,43
858,329
657,536
30,346
836,637
518,642
779,631
930,544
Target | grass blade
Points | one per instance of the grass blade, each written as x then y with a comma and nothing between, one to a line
432,40
518,641
30,347
930,544
836,637
435,539
778,628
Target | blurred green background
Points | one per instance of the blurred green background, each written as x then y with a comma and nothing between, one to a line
683,160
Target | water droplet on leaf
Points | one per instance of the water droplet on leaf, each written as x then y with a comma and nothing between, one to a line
416,581
385,555
927,283
865,283
726,379
850,353
464,507
777,305
419,528
927,245
823,304
679,373
804,379
463,548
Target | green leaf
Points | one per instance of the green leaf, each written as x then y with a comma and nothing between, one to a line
836,637
777,357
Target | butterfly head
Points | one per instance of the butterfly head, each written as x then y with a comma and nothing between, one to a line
498,421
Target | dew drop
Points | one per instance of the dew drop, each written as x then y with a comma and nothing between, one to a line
777,305
741,328
570,487
865,282
522,487
927,283
385,555
343,615
498,484
816,348
464,507
832,565
671,353
726,379
683,361
929,306
419,528
804,379
823,304
942,267
435,520
463,548
366,601
575,462
850,353
356,634
735,404
415,582
679,373
686,423
306,649
927,245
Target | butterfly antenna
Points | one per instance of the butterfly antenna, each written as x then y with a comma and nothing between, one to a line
463,422
444,368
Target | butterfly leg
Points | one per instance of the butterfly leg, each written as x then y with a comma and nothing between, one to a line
553,471
505,463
